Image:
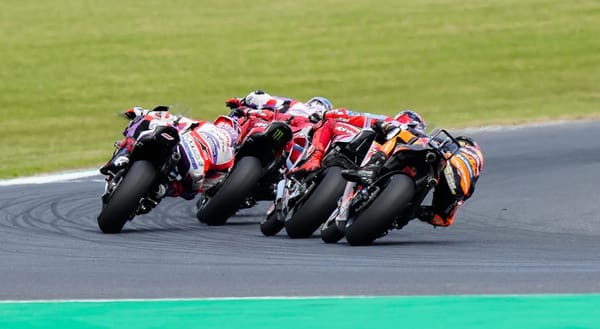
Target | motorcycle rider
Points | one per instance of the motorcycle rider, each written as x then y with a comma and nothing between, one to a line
328,122
260,108
208,151
375,157
345,122
455,186
260,100
406,119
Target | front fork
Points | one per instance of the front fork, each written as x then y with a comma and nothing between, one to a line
340,214
288,192
112,182
281,198
352,198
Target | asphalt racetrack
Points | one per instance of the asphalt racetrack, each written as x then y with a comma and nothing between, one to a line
532,227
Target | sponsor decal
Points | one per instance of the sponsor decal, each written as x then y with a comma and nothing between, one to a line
344,129
449,173
277,135
192,152
167,136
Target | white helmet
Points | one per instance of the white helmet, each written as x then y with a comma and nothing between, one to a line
256,99
319,104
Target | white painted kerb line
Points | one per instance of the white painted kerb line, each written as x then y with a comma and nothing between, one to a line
44,179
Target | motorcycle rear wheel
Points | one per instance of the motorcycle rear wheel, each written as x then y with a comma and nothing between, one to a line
125,200
317,207
377,218
227,200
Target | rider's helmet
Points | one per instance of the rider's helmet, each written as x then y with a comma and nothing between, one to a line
256,99
411,118
319,104
468,141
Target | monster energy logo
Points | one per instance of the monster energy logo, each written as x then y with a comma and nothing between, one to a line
277,135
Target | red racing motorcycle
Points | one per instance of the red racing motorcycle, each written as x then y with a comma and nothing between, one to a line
303,203
258,160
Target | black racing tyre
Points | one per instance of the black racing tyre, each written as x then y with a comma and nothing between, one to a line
126,198
315,209
378,217
271,226
227,200
330,233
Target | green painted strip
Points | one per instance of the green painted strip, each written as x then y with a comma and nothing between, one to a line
464,312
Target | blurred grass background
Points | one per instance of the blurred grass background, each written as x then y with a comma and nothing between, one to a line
69,66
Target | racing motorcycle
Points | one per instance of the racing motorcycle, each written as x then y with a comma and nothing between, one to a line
258,159
302,204
133,189
368,212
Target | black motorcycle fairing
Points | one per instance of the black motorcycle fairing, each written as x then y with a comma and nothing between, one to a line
157,145
266,144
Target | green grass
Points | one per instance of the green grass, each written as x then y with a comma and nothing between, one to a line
67,67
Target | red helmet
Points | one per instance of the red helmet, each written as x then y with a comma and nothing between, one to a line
411,118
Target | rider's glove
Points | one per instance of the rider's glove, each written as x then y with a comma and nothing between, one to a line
380,127
233,103
385,130
134,112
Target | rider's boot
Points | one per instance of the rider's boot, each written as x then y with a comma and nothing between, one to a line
366,174
120,159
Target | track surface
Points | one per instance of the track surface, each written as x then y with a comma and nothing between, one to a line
531,227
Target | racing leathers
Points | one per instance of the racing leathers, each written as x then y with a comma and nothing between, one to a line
206,149
339,122
456,184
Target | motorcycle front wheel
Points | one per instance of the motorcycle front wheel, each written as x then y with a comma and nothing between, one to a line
330,233
124,201
271,225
